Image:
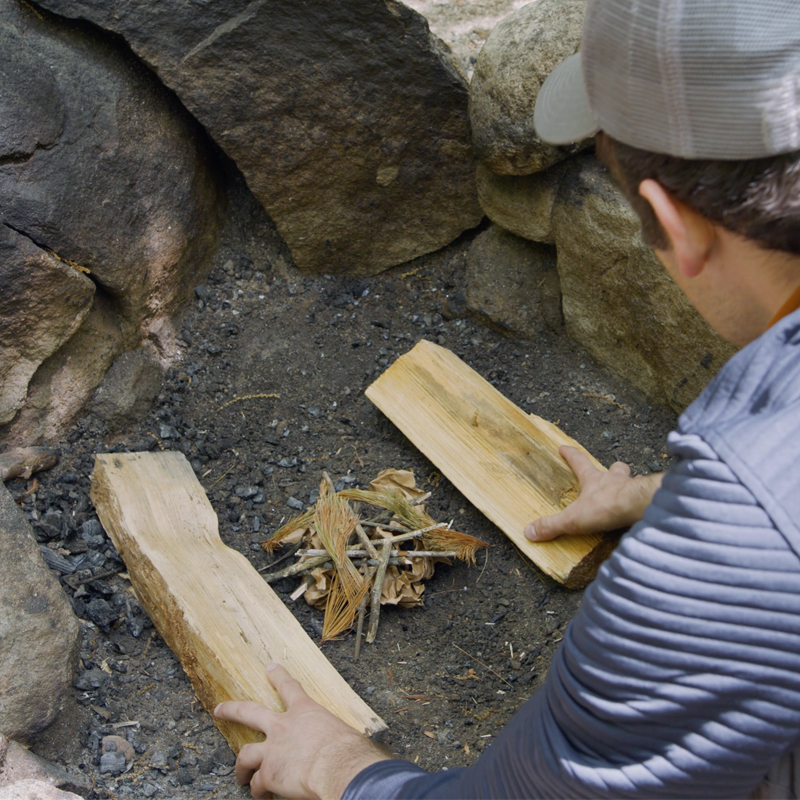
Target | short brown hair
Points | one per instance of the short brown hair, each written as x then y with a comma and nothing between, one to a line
758,199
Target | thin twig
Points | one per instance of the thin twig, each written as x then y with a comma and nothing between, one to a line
304,586
485,562
219,479
377,586
358,553
292,550
390,526
365,540
486,666
244,397
295,569
421,499
362,608
327,479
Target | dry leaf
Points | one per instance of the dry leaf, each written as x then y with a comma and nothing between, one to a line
402,479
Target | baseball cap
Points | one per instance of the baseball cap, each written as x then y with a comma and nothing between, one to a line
712,79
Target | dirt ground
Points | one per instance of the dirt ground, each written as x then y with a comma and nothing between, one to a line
446,676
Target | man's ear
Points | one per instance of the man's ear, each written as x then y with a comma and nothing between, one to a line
691,236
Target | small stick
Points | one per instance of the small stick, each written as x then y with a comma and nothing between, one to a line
484,665
391,526
395,553
421,499
377,586
302,588
295,569
292,550
328,480
405,537
245,397
99,577
362,607
365,540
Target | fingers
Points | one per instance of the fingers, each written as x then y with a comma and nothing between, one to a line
253,715
289,690
578,462
546,528
258,788
248,762
620,468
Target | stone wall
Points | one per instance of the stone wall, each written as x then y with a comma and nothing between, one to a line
616,298
125,127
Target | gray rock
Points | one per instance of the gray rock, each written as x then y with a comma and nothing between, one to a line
104,169
90,680
619,301
42,303
521,51
513,283
113,762
296,504
100,612
522,204
40,638
128,389
61,386
19,765
348,119
31,789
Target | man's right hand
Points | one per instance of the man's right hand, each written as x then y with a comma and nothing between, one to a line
607,501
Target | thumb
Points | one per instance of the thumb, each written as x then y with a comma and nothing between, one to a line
289,690
545,528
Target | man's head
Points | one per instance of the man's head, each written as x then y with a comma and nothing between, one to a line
759,198
696,104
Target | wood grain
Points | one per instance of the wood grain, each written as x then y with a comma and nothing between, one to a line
208,603
501,459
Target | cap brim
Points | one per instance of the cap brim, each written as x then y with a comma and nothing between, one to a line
562,114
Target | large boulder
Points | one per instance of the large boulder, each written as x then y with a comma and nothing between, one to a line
63,384
42,303
522,204
22,771
348,119
521,51
111,190
39,636
618,300
513,284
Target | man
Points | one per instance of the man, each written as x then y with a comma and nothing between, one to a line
680,675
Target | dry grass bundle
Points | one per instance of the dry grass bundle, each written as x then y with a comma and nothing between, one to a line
334,522
277,539
339,587
415,518
341,609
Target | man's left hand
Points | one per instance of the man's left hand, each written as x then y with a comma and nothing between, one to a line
308,752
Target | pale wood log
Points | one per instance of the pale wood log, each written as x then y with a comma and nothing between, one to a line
501,459
208,603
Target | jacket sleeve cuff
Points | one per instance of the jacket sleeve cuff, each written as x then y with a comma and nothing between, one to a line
381,781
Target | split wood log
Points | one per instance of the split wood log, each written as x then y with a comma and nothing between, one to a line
501,459
206,600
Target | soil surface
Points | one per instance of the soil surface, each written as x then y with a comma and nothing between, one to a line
446,676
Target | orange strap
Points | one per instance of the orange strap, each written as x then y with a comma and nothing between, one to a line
792,304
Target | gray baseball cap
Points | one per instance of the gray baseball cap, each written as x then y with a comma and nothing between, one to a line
716,79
